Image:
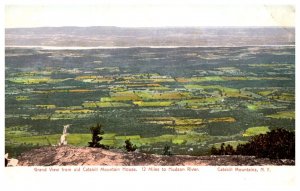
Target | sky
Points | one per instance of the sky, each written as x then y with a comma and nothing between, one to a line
147,15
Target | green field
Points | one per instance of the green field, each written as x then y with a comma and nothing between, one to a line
252,131
181,97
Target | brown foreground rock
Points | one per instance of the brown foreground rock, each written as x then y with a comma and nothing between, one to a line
76,156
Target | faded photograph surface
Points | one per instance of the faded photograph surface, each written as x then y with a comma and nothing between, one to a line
137,85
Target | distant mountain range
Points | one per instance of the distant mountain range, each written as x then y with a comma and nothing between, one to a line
130,37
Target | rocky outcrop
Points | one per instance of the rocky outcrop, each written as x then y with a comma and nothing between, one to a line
10,161
75,156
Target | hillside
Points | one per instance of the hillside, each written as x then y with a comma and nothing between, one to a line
76,156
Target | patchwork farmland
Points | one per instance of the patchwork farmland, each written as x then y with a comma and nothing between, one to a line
187,98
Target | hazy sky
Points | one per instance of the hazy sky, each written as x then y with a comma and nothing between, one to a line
147,15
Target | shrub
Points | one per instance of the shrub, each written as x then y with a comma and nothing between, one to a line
129,146
167,150
214,151
228,150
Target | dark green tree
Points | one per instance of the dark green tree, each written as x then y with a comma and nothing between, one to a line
167,150
95,142
129,146
222,149
214,150
276,144
229,150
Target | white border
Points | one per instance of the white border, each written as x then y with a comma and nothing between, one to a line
23,178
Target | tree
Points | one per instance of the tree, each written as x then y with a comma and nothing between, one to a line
229,150
96,131
222,149
276,144
214,150
167,150
129,146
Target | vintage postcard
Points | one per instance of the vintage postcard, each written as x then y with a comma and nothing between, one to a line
174,86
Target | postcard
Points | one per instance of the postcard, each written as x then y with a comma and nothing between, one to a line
140,88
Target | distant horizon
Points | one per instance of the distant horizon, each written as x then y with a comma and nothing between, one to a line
160,27
131,47
102,37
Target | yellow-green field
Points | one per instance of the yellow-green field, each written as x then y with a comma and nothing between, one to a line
35,80
94,79
109,139
183,124
283,115
46,106
252,131
105,104
270,65
226,78
153,103
22,98
67,111
63,91
261,105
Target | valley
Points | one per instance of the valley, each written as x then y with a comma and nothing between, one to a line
189,98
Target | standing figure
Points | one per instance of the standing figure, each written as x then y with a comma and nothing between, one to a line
63,140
